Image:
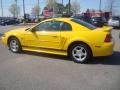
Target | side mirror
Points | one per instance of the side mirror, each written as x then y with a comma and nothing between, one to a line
33,29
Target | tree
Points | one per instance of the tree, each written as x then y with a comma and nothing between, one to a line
14,10
51,3
35,11
111,6
58,7
75,7
66,10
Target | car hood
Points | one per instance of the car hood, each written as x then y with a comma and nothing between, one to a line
19,30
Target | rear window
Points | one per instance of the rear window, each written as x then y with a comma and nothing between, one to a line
85,24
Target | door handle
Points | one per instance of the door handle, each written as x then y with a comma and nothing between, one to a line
55,36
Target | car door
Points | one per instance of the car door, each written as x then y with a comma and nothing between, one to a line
44,35
66,32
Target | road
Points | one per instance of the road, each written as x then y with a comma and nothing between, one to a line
35,71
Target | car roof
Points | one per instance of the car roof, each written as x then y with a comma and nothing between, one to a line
60,19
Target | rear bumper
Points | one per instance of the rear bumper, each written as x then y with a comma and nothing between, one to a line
105,50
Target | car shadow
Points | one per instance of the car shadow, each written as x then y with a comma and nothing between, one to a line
60,57
109,60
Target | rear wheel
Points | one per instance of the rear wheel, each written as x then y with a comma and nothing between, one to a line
80,53
14,45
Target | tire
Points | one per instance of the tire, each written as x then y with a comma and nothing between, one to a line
80,53
14,45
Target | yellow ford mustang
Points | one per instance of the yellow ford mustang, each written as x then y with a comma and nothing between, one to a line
64,36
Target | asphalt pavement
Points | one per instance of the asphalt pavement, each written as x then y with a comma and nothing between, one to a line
36,71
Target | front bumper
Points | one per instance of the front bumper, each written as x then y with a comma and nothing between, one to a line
4,40
105,50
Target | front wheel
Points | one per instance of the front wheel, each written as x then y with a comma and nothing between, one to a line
14,45
80,53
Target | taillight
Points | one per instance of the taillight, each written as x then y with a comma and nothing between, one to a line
108,38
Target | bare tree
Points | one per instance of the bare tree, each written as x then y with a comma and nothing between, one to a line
14,10
51,3
35,11
111,6
75,7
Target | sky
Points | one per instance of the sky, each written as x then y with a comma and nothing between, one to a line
84,4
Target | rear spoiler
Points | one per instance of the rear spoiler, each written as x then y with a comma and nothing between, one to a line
107,29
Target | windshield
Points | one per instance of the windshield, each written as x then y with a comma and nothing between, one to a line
83,23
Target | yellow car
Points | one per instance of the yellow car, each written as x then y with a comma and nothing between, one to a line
64,36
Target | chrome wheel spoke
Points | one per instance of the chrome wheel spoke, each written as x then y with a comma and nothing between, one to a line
79,53
14,45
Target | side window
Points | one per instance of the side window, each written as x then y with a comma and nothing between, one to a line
49,26
43,26
56,26
66,27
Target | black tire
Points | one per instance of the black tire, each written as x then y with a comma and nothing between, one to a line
87,57
14,49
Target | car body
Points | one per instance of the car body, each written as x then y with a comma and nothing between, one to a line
63,36
9,22
1,21
97,21
114,21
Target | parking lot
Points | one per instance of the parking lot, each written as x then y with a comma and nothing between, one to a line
36,71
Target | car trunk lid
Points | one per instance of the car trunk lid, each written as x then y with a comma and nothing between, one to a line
105,29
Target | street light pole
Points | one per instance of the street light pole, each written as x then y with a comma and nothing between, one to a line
1,8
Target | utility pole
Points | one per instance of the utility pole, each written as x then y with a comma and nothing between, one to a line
100,4
1,8
62,7
53,8
24,11
62,2
111,7
38,7
16,8
69,7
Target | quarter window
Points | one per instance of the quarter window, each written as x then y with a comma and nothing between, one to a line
66,27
